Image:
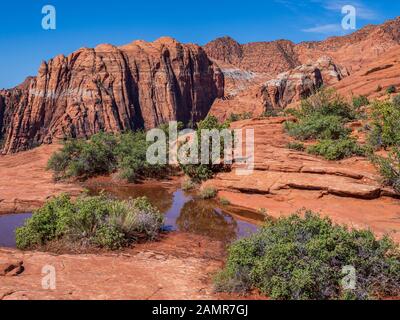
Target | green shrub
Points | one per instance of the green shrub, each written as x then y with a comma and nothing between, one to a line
271,113
317,126
79,158
208,193
188,185
201,172
91,221
233,117
360,101
296,146
131,154
391,89
303,258
337,149
224,202
385,126
389,168
396,101
322,116
327,102
104,153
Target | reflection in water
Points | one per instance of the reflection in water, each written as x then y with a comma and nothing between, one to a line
200,217
160,197
8,224
186,213
182,211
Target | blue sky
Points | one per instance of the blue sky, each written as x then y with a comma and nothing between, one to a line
24,44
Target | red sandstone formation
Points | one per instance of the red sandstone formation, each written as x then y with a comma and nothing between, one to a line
255,97
140,85
351,51
265,57
284,181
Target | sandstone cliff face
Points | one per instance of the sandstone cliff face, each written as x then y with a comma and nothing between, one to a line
257,95
299,83
265,57
351,51
140,85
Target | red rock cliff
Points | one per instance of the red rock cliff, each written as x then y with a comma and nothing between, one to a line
140,85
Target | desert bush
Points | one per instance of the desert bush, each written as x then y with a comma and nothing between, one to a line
80,158
360,101
208,193
91,221
131,154
298,146
391,89
201,172
224,202
396,101
385,125
188,184
389,168
337,149
317,126
322,116
303,258
104,153
233,117
327,102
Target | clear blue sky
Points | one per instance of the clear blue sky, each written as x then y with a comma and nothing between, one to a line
24,44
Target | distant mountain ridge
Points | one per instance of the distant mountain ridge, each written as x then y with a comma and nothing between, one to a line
278,56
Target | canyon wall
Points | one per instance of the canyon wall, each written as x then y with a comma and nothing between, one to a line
351,51
112,89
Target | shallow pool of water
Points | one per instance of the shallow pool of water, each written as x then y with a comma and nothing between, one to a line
8,224
187,213
183,212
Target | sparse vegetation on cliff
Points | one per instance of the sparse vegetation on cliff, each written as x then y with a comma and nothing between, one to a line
337,149
360,101
389,168
385,126
323,116
91,221
294,145
233,117
309,258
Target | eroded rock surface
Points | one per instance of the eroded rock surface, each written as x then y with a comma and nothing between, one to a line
179,266
24,182
351,51
284,181
255,93
140,85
